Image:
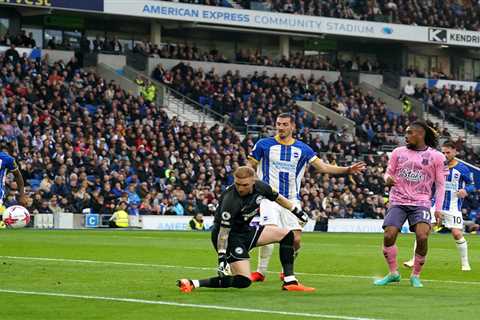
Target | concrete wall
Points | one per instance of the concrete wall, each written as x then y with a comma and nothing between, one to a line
417,104
55,55
245,70
117,62
324,112
375,80
391,103
110,74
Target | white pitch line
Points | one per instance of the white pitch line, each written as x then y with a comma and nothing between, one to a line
134,264
185,305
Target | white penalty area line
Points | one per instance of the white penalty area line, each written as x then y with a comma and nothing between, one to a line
134,264
184,305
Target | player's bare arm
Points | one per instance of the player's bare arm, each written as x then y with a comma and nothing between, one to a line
323,167
222,243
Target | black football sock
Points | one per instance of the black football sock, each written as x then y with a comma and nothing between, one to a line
287,254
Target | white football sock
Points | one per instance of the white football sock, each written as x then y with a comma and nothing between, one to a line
264,254
414,249
462,247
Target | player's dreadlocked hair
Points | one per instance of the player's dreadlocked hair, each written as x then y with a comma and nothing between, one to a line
431,135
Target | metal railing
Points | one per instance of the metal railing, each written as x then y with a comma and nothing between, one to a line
469,128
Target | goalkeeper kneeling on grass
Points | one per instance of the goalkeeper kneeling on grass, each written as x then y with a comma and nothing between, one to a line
119,218
233,237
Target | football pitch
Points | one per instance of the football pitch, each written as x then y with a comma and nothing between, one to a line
47,274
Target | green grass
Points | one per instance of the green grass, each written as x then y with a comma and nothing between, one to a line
325,259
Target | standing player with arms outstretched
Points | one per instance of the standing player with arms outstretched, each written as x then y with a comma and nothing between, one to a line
412,171
458,185
281,162
233,237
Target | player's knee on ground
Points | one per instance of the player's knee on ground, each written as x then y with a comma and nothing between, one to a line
241,282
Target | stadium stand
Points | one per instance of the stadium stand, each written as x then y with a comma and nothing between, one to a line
437,13
84,143
299,60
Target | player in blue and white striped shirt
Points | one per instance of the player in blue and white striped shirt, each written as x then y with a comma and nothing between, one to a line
281,162
459,183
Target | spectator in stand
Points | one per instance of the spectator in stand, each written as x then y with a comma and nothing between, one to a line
12,54
409,89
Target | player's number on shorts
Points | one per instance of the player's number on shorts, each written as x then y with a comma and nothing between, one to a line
457,220
426,215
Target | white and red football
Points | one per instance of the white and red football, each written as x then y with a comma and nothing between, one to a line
16,217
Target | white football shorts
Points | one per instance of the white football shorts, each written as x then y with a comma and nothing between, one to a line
274,214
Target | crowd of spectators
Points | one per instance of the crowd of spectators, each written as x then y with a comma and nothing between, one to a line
20,40
433,73
257,99
82,142
457,14
299,60
456,103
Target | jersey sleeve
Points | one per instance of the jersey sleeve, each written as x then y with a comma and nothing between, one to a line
266,190
467,176
10,163
257,151
227,212
440,177
310,155
392,164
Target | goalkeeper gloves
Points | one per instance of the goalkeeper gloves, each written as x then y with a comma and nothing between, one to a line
222,269
300,214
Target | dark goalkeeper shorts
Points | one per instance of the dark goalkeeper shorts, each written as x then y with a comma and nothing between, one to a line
239,243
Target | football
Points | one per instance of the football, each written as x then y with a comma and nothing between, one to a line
16,217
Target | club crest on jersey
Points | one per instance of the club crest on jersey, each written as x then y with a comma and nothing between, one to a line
456,175
296,154
259,199
425,162
226,215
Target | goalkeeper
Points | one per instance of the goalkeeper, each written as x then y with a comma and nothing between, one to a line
233,237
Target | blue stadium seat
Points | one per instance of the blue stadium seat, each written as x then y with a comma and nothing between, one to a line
203,100
34,183
91,108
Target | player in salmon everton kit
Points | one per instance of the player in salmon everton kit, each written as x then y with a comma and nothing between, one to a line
412,173
458,185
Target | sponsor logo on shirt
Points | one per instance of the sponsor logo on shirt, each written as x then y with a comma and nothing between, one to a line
411,175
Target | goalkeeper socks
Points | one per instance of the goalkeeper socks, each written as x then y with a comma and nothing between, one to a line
462,247
287,253
390,254
264,255
236,281
216,282
418,265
